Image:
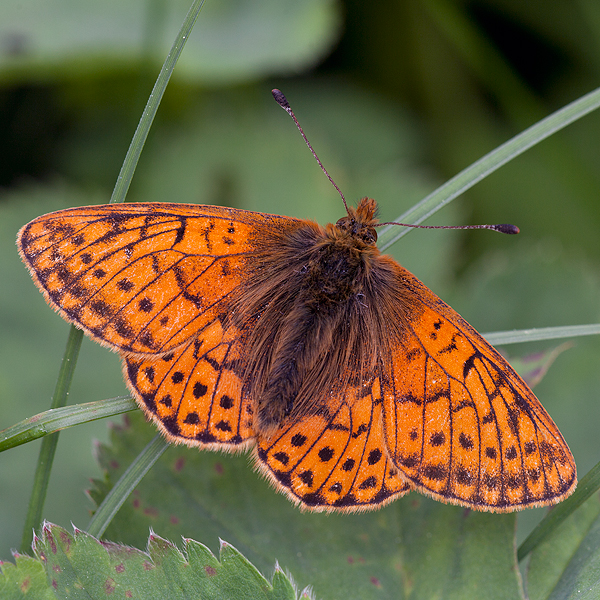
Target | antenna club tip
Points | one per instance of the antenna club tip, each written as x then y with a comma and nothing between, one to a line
280,98
507,228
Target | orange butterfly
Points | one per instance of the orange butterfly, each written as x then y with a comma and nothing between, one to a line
353,380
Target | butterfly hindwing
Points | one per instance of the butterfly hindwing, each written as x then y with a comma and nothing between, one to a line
194,394
461,424
138,277
335,459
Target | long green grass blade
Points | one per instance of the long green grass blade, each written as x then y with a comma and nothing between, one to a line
488,164
123,182
126,484
43,469
56,419
146,459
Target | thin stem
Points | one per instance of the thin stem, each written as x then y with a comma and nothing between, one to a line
49,443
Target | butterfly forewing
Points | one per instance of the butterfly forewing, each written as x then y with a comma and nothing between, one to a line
461,424
141,278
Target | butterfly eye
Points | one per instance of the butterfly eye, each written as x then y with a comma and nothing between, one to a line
369,235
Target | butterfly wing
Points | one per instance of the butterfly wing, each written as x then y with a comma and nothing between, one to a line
459,423
194,394
336,459
142,278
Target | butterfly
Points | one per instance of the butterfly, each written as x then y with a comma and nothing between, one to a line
352,382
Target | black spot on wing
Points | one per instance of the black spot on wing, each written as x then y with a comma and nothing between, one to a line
326,454
124,284
368,483
437,439
307,477
298,440
226,402
374,456
435,472
192,418
348,464
199,389
145,305
180,231
282,457
465,441
491,453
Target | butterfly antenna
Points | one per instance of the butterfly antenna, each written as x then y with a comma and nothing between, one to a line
501,228
282,101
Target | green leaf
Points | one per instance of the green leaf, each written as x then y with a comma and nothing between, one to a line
79,566
456,553
235,41
136,471
414,548
24,579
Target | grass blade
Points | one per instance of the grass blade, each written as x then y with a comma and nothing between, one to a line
588,486
150,454
43,469
56,419
500,338
141,133
488,164
126,484
48,449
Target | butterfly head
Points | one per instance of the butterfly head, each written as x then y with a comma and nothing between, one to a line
360,222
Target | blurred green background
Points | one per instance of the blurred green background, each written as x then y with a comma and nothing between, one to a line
396,97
